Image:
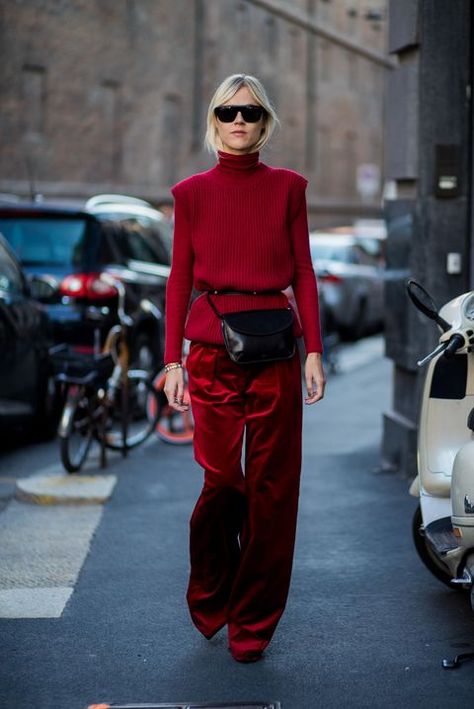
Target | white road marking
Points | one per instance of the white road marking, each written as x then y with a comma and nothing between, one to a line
33,602
42,550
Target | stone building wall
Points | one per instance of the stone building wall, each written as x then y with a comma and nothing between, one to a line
111,95
429,109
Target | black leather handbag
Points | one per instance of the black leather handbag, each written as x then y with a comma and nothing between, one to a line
255,336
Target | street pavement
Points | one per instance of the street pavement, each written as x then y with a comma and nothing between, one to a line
365,624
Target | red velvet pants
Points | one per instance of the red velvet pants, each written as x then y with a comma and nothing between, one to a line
242,530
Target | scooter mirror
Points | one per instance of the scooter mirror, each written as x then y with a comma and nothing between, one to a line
425,303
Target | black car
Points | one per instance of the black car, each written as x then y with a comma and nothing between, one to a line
27,392
72,247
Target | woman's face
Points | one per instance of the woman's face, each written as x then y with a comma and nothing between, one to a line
238,136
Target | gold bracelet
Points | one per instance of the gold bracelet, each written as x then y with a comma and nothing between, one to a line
173,365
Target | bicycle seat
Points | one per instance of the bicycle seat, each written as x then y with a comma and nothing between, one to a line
80,368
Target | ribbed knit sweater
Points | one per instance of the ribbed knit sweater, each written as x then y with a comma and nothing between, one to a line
242,225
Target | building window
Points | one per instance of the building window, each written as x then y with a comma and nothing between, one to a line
34,97
271,36
352,14
353,70
350,166
323,159
295,48
198,116
376,74
243,19
171,137
324,10
110,92
325,60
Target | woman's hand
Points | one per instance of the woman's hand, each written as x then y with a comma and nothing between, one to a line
314,377
174,390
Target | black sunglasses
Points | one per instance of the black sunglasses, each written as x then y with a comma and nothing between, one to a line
250,113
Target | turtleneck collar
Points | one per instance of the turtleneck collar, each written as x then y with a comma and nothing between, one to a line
244,164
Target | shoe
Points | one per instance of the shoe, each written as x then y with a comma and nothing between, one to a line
252,656
204,627
210,635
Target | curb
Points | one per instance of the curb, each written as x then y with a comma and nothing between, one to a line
65,489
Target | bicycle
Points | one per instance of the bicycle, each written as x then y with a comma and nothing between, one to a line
105,400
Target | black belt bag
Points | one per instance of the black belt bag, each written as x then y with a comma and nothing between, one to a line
253,336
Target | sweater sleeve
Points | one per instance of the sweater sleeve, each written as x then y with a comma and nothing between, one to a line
304,282
179,286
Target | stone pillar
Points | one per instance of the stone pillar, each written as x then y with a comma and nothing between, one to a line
427,126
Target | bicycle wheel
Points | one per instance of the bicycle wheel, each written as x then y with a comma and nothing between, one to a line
174,427
142,411
75,429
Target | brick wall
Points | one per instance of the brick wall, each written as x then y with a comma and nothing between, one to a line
111,95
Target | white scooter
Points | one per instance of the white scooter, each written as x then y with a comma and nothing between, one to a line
443,525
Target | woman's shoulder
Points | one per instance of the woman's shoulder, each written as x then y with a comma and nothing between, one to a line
287,175
188,185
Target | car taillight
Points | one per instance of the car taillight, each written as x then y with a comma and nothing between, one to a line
86,285
330,278
84,349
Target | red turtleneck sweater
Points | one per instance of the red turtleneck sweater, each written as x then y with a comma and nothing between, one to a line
242,225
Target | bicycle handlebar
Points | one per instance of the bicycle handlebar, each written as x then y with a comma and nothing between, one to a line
116,283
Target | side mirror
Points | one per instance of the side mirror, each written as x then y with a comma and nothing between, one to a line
422,300
42,288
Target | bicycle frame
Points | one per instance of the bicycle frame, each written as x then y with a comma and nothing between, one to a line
100,389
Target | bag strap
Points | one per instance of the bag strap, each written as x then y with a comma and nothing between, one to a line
219,315
235,292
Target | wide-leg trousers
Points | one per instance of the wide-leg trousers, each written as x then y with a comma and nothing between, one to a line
242,530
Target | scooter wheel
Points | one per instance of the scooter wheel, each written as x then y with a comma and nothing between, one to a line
427,555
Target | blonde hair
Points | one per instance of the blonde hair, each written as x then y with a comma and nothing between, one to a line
223,93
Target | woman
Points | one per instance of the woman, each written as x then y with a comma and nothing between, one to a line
241,226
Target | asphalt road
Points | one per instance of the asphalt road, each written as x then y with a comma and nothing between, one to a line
365,624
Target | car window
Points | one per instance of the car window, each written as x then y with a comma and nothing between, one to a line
140,238
162,234
149,246
106,252
366,258
11,280
39,241
139,248
354,255
330,252
371,246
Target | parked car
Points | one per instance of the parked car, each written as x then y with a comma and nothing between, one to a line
27,390
350,275
72,247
